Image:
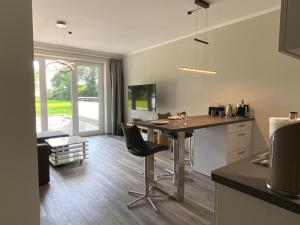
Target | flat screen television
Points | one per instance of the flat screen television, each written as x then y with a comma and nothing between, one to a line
142,97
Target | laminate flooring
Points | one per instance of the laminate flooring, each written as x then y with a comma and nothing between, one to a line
95,191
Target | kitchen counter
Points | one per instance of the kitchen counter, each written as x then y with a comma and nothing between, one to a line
195,122
250,179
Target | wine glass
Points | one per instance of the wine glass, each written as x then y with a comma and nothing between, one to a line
184,118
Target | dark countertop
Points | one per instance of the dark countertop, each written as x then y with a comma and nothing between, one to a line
194,122
250,179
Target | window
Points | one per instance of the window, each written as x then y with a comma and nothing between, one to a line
68,96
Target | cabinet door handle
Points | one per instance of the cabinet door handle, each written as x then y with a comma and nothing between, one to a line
241,152
241,134
242,125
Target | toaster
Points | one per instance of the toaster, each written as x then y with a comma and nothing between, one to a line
214,110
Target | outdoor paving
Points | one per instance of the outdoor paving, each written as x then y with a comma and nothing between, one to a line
64,123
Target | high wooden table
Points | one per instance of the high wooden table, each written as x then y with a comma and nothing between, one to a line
192,123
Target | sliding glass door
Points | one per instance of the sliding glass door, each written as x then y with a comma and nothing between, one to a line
69,96
88,98
59,95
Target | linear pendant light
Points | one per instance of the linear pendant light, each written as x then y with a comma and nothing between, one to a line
195,69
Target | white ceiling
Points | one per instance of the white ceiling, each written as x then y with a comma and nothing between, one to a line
124,26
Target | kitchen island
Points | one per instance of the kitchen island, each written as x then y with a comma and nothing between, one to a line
242,197
193,123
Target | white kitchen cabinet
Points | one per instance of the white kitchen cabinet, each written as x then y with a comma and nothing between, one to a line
215,147
289,39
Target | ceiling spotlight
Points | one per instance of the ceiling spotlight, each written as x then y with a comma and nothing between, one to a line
61,24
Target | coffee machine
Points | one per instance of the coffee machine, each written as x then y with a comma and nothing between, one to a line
215,109
242,110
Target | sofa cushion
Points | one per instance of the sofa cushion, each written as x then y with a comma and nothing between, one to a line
43,163
42,136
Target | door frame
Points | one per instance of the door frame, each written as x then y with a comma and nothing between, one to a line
43,93
101,105
41,59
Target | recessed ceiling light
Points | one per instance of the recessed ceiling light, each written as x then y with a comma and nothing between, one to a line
61,24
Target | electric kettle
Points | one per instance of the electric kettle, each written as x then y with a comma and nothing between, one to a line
284,177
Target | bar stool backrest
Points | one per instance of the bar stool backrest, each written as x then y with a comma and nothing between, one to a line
164,115
134,140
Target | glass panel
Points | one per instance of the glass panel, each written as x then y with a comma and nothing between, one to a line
37,95
88,98
59,86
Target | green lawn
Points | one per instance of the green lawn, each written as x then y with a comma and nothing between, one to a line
55,107
140,104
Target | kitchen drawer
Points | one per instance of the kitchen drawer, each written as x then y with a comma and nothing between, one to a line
239,139
238,154
236,127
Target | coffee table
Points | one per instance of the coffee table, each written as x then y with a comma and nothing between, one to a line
67,149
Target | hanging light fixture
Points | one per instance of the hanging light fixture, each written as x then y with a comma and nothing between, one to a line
197,40
197,70
60,66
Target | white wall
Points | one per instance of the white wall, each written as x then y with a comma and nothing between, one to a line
249,66
19,196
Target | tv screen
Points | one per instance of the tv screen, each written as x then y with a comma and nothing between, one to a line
142,97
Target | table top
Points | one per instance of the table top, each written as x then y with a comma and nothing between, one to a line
194,122
64,141
250,178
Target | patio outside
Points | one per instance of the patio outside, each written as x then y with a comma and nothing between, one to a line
60,115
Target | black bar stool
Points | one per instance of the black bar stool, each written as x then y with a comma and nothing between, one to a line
138,147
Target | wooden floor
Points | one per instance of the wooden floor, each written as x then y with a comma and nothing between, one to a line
95,192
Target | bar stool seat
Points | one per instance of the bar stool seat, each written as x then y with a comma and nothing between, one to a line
138,147
173,135
155,147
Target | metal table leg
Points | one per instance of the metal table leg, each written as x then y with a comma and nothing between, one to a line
150,159
180,163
